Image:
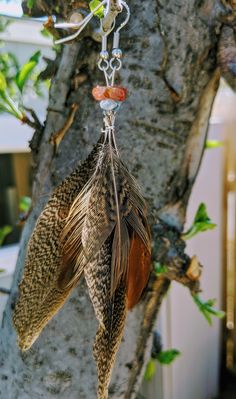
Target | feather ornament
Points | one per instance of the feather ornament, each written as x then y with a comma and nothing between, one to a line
110,204
95,223
39,295
110,312
106,236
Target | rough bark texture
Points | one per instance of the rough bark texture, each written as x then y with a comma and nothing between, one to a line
170,69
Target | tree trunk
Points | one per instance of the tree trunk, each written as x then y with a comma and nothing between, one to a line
170,69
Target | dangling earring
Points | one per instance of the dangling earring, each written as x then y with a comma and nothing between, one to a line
105,232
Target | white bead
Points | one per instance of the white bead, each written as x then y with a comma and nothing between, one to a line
117,53
104,55
108,105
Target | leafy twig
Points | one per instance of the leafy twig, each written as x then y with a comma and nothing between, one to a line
207,309
168,356
36,124
202,222
160,269
164,357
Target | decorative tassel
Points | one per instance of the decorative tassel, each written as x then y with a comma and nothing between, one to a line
106,236
109,204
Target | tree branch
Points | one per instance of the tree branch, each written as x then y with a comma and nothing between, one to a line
114,7
174,212
227,55
35,123
5,291
58,136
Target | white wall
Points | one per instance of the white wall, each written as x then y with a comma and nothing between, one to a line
195,374
23,39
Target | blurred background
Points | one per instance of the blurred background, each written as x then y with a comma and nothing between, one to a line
206,361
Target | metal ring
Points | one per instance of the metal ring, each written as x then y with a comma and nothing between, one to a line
117,61
103,65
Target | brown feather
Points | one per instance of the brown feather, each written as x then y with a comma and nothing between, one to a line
138,272
110,205
110,312
40,298
106,236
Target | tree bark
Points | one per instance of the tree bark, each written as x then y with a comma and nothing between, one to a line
170,69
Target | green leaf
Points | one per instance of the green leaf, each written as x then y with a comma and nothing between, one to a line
4,231
95,3
168,356
160,269
26,70
8,65
44,32
2,270
4,22
201,223
30,4
207,309
3,82
150,370
25,204
5,108
213,144
10,106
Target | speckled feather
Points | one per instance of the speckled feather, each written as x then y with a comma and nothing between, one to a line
42,293
111,203
39,295
110,312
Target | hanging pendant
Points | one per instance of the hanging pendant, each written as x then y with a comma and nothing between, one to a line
101,231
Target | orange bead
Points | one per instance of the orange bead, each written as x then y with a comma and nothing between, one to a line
110,92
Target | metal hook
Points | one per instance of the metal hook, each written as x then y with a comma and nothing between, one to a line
116,37
127,17
81,25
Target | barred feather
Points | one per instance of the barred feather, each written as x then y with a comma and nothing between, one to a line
95,222
107,236
39,295
110,204
110,312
